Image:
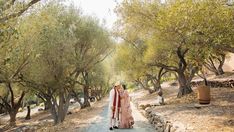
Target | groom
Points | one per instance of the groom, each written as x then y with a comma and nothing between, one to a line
114,106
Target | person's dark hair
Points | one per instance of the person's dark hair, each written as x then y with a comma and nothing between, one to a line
124,87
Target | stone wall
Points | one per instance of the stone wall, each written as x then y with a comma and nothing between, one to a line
160,123
227,83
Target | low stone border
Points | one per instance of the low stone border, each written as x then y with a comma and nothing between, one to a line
160,123
227,83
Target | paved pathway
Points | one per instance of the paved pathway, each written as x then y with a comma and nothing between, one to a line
101,123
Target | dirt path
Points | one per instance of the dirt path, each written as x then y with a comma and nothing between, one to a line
92,119
100,124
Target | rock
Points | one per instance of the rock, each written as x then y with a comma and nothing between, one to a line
151,115
158,129
153,112
154,122
172,129
148,109
157,120
151,120
143,112
168,121
168,127
147,105
146,114
161,119
142,107
69,113
159,125
40,109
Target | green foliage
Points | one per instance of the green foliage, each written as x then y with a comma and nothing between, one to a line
65,42
47,49
181,23
129,60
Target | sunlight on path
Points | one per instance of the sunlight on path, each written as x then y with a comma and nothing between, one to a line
101,123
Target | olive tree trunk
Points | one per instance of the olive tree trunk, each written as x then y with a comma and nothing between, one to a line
59,110
28,116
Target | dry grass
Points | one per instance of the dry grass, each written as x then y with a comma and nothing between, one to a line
42,122
187,99
216,117
76,121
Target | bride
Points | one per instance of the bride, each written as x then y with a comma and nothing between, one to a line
126,118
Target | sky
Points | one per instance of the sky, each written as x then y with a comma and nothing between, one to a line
103,9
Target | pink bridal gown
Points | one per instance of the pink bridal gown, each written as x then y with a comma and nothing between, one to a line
126,120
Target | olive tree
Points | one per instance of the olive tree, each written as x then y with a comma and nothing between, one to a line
178,29
65,47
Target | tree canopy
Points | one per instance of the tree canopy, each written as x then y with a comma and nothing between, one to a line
178,35
63,51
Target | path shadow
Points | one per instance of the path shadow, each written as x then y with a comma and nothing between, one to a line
139,126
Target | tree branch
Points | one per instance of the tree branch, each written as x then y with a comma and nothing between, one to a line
17,14
12,94
24,63
169,68
6,104
20,99
225,48
160,72
180,54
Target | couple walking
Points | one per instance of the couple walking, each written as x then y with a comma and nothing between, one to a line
120,113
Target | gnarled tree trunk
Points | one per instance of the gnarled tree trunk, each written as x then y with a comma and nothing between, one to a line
86,98
28,116
11,106
211,65
156,84
184,86
156,80
59,110
46,100
144,86
47,105
12,115
85,90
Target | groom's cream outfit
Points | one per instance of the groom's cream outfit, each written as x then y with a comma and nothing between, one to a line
114,106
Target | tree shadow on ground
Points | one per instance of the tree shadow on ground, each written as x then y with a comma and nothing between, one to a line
220,111
100,126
